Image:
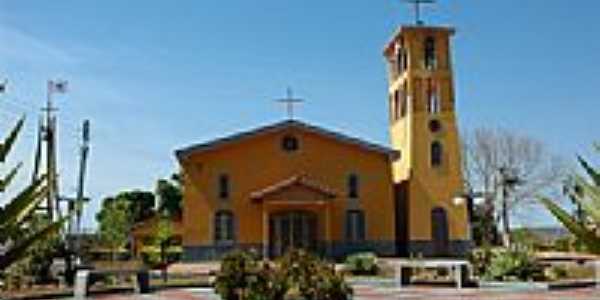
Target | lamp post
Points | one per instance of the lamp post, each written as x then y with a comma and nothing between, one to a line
509,179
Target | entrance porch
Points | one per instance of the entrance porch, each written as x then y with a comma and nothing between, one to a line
296,214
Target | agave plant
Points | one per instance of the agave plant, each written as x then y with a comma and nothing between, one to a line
587,194
14,215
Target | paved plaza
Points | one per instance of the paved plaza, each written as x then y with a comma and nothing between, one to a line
369,292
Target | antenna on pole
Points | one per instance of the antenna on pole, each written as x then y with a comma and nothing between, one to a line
417,6
50,128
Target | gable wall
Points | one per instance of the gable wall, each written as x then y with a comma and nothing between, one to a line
258,162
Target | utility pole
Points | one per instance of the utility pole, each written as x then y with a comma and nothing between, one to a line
76,204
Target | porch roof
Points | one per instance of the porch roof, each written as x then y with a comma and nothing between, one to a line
294,181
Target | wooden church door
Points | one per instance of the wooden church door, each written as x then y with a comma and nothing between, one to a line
439,232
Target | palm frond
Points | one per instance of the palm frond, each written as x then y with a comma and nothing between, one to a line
594,175
589,199
5,182
23,204
587,236
10,140
18,251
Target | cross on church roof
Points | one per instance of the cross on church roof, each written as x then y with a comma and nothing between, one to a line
289,102
417,4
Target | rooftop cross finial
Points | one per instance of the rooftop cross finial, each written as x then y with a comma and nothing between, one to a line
417,4
289,102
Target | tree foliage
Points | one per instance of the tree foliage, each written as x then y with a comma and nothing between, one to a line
169,195
115,222
140,204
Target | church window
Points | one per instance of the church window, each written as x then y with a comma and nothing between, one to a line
401,59
435,126
224,226
397,104
392,108
289,143
430,57
437,153
433,99
403,101
355,225
353,186
224,186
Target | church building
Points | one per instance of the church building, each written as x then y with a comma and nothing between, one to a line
296,185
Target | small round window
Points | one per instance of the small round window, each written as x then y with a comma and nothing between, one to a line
289,143
435,126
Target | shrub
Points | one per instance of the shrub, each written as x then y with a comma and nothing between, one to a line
297,273
313,278
480,259
507,265
234,277
563,244
362,264
557,272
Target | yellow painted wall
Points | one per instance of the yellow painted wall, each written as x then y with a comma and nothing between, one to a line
429,187
255,163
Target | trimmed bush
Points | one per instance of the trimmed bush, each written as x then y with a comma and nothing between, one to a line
362,264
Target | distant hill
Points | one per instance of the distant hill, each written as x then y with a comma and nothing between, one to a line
547,234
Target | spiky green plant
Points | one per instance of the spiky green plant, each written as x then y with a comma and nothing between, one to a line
14,214
587,194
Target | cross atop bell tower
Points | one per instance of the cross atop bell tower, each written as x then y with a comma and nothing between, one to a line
417,6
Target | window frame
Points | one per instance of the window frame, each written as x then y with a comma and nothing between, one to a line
224,186
224,227
429,53
353,186
355,226
286,146
434,103
436,154
401,59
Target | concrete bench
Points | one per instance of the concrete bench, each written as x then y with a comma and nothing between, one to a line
85,278
458,268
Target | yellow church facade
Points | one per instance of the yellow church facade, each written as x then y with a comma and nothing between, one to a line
297,185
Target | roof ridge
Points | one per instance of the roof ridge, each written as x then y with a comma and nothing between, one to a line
184,152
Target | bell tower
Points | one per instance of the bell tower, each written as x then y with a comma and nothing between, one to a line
423,127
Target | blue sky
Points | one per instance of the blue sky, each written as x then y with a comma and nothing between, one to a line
155,76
